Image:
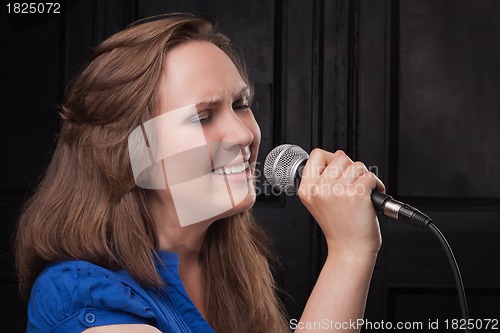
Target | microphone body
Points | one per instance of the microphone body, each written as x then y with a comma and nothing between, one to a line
283,168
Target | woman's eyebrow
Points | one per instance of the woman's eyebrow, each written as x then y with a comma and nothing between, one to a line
217,100
214,101
245,91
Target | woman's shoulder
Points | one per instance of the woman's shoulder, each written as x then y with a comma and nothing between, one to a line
81,283
75,295
71,269
75,272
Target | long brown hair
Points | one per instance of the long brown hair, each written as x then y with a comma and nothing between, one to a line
88,207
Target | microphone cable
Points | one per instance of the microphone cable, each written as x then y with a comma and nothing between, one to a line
400,211
456,272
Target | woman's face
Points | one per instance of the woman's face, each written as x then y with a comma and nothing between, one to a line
210,134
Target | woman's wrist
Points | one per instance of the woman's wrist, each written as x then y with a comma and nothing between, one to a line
352,255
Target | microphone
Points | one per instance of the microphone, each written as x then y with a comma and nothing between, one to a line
283,169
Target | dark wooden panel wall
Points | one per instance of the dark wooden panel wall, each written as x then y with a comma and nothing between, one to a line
410,87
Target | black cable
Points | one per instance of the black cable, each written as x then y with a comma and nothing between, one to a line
456,273
400,211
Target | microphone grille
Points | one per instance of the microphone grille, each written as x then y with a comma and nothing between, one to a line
281,164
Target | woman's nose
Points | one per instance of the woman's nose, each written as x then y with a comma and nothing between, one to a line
236,132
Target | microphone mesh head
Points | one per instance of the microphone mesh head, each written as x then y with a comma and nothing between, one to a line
281,164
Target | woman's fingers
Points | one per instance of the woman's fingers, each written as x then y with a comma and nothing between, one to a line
336,191
316,164
337,166
318,161
326,165
351,174
372,182
321,170
332,167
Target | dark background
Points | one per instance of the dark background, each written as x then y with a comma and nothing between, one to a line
410,87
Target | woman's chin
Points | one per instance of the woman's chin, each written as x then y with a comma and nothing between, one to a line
242,206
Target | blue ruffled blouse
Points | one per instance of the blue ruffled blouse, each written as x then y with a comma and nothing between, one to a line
72,296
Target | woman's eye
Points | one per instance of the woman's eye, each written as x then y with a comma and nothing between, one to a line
242,105
201,118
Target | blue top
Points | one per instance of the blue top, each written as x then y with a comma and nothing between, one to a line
72,296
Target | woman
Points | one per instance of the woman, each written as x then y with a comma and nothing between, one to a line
117,238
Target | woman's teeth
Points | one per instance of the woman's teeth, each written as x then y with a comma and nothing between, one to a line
227,170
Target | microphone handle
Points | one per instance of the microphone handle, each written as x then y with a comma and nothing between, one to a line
384,204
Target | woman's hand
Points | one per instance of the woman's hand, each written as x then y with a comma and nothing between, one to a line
337,191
